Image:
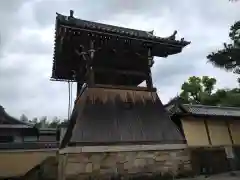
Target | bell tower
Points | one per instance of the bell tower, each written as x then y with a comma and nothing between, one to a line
108,63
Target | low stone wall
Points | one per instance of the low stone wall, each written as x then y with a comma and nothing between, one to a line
125,163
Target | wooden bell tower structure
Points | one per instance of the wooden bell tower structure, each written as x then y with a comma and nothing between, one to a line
108,63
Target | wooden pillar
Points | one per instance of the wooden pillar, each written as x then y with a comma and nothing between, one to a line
229,150
230,155
149,73
79,87
149,79
91,76
90,71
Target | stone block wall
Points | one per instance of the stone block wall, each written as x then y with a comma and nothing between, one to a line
109,164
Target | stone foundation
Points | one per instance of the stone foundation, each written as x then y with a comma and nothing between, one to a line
126,163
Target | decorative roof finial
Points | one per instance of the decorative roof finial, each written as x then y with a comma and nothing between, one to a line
71,13
151,32
1,110
173,36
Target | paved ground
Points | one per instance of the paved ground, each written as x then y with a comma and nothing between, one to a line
225,176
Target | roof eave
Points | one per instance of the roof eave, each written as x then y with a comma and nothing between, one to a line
205,115
69,21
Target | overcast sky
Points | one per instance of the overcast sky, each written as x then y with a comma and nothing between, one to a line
27,38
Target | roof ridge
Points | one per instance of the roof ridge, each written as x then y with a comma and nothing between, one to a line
210,106
104,24
115,26
135,32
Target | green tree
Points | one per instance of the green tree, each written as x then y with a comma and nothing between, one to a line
43,122
201,91
54,123
228,97
197,89
228,57
24,118
34,120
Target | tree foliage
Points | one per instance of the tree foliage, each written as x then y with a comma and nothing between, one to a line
228,57
196,89
201,90
43,122
23,118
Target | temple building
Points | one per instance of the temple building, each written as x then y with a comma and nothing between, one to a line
14,130
16,134
23,147
116,127
212,135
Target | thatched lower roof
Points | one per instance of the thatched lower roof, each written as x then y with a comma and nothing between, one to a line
111,116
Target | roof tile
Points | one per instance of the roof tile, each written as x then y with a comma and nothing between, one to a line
212,110
116,29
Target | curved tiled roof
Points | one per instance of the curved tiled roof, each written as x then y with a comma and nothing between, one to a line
212,110
5,117
129,33
202,110
81,30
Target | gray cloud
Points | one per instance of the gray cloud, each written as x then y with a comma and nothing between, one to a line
10,20
25,86
30,44
27,31
212,12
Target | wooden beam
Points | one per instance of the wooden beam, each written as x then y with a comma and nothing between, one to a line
207,130
141,40
126,87
91,76
128,147
126,72
79,87
229,131
149,79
